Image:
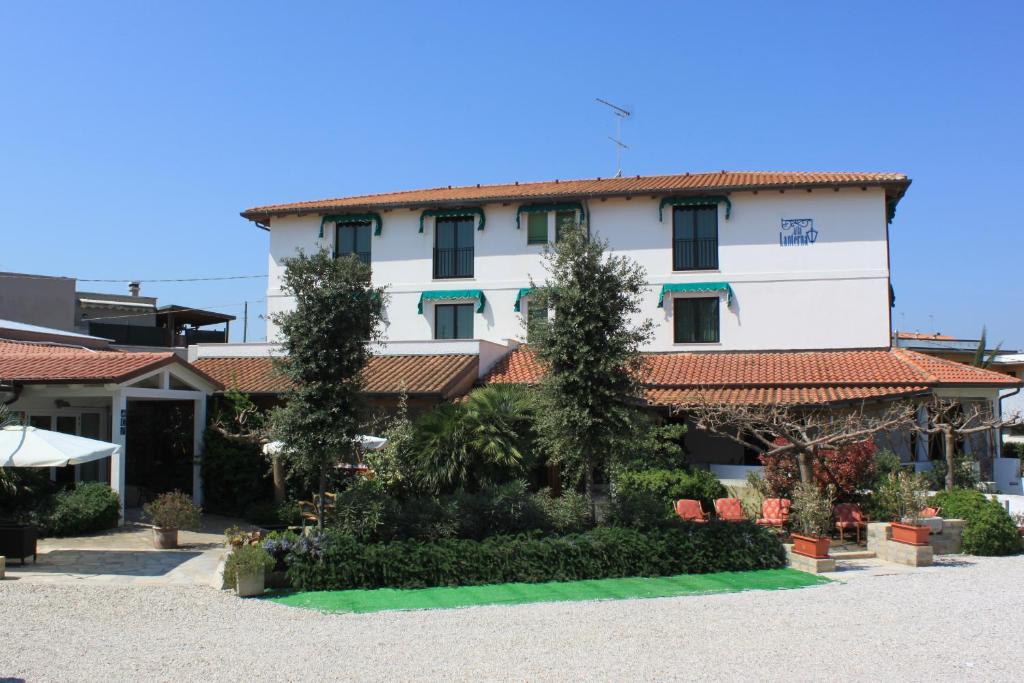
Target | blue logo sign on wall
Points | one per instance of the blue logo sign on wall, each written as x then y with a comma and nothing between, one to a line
797,232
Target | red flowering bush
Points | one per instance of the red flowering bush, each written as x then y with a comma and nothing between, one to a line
848,468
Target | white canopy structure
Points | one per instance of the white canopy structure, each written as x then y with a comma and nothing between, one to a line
367,443
32,447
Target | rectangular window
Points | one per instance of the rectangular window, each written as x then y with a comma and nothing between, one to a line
353,239
453,247
453,321
537,228
563,220
695,238
695,320
534,313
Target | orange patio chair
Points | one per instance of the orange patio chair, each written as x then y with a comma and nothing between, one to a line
690,511
775,512
849,516
929,511
730,510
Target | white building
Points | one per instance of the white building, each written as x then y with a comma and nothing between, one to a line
764,287
810,249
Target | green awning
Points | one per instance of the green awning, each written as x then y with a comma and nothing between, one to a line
455,213
694,201
350,218
448,294
696,287
523,293
547,208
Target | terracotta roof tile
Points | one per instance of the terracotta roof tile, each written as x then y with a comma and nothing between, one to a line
798,377
416,375
48,363
721,181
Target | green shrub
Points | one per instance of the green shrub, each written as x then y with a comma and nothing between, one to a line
565,514
644,498
90,506
963,473
246,559
338,561
236,475
989,529
671,485
173,510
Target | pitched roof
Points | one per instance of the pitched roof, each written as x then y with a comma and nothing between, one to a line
47,363
697,183
416,375
925,336
795,377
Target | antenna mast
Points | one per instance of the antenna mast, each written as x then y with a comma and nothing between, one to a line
620,114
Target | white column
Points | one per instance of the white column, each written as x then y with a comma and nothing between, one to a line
118,411
198,427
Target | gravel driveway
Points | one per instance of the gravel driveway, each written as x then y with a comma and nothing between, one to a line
962,619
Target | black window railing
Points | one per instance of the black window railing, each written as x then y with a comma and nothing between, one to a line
453,263
701,254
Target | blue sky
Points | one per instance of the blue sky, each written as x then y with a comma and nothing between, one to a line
132,134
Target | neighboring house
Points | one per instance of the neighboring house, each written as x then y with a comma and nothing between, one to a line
130,321
763,287
1007,362
76,384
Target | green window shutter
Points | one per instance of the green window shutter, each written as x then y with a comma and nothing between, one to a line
537,228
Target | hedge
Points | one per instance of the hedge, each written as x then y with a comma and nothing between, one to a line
88,507
336,561
989,529
236,476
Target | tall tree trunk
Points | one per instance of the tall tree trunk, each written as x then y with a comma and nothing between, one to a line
588,485
278,469
320,503
950,461
803,459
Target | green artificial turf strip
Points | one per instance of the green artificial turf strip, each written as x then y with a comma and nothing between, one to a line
518,593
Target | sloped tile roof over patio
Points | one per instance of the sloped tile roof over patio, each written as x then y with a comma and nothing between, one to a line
785,377
895,185
47,363
440,376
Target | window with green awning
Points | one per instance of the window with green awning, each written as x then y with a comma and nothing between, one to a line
475,295
695,288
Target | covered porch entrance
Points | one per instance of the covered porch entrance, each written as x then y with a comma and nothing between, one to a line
157,416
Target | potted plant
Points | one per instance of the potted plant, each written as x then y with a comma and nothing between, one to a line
811,515
910,493
246,568
170,512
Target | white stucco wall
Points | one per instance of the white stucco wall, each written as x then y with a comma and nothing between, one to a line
832,294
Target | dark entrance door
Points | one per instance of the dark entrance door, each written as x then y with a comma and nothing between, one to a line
158,447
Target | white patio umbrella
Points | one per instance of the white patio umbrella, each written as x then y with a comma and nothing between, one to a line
368,443
33,447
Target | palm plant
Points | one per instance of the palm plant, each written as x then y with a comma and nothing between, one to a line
486,439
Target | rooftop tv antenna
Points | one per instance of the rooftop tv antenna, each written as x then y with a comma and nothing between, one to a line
620,115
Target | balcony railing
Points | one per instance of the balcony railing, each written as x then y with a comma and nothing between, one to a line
453,263
699,254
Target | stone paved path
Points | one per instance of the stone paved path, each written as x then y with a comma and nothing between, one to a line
126,556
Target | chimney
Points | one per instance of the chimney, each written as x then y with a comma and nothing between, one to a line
133,288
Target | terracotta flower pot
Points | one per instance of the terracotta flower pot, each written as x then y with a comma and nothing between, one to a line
165,539
248,585
811,546
911,534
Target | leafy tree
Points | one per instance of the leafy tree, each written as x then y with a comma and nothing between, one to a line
590,351
327,336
